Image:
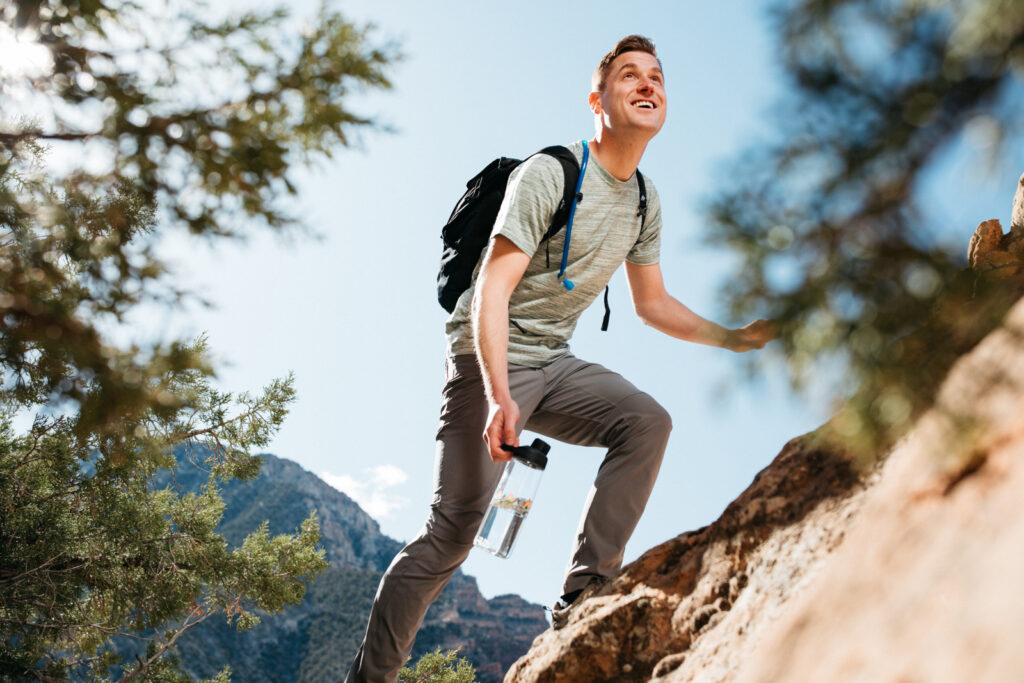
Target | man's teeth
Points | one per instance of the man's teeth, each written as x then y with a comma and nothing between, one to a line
644,105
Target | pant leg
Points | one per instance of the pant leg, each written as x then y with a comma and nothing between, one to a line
464,481
589,405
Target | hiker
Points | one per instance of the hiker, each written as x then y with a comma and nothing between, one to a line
509,366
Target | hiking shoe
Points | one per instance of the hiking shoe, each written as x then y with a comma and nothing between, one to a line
560,610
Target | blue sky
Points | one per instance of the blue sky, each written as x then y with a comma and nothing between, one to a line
354,312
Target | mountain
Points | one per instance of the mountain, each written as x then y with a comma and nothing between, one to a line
316,640
828,568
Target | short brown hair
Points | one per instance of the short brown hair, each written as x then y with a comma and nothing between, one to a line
628,44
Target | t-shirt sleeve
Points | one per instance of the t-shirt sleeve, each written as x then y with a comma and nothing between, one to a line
531,198
646,250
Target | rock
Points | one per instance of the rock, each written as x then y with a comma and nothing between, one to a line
680,602
987,239
993,254
926,586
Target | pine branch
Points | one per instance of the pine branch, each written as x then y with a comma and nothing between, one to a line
9,140
220,425
143,666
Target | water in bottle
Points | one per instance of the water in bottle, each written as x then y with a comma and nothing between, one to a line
513,498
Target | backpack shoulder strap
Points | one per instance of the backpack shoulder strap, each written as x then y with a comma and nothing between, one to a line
642,212
571,172
642,209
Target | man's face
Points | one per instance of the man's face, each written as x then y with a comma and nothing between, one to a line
634,95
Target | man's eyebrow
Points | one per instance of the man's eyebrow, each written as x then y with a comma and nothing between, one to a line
634,65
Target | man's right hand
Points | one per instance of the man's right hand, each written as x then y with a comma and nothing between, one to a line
501,428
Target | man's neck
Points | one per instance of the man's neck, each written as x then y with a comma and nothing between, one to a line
618,157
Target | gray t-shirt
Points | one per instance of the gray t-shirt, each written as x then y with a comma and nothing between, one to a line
605,232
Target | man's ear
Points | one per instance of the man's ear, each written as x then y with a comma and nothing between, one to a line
595,102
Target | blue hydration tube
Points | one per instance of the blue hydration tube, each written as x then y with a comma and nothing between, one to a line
568,284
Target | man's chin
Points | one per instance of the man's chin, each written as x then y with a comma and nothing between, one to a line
634,128
648,121
647,128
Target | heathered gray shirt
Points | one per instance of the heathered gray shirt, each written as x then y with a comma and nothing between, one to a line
605,232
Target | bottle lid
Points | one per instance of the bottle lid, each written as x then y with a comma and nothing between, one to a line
535,455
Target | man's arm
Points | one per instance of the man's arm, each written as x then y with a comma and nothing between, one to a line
659,309
501,271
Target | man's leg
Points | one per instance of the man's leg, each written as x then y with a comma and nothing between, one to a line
589,405
464,481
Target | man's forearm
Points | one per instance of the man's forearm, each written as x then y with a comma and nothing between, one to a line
670,316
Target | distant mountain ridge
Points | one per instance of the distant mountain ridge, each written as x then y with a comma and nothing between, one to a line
316,640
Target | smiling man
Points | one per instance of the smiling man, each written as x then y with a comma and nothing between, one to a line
509,365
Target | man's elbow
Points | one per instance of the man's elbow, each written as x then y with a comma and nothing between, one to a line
647,313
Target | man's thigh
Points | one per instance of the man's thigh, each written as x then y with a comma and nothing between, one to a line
581,402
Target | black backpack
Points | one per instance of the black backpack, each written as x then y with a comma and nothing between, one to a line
468,229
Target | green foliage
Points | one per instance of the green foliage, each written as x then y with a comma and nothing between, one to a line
826,220
436,667
90,547
168,669
121,89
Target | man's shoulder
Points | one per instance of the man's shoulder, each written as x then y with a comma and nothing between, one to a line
544,172
544,161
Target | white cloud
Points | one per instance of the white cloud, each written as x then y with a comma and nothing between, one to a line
370,491
388,475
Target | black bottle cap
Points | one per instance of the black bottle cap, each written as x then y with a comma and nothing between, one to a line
535,455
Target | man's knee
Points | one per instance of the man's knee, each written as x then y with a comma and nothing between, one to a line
642,415
436,552
657,416
453,525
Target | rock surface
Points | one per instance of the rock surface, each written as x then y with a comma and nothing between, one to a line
926,586
994,254
821,572
696,600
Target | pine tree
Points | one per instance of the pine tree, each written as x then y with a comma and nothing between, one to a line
173,121
438,667
825,218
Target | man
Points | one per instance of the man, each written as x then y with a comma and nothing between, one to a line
509,365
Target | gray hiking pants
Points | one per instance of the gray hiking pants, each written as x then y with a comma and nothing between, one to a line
569,400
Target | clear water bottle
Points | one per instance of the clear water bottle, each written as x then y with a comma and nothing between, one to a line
513,498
